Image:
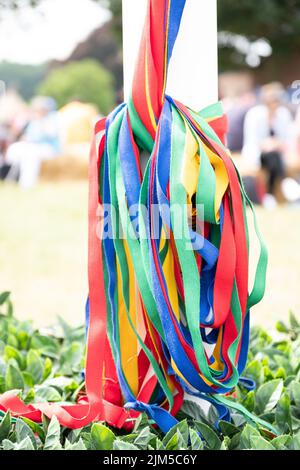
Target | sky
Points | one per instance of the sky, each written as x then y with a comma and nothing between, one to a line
51,31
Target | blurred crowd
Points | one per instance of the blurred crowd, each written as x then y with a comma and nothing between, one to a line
264,138
31,135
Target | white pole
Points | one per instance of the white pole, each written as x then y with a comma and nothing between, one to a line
193,73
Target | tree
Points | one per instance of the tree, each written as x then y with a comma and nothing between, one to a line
86,80
23,78
275,20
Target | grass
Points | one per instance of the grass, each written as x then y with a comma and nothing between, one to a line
43,253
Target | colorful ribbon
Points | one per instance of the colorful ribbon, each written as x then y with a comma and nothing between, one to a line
167,314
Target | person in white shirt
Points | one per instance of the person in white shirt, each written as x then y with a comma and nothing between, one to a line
40,141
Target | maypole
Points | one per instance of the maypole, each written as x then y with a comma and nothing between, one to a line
169,292
193,72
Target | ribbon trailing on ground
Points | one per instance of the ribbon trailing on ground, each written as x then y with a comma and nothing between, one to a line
169,297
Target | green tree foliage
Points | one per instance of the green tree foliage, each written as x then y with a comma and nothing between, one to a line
85,80
21,77
275,20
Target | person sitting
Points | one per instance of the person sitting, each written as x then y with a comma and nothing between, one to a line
267,135
40,141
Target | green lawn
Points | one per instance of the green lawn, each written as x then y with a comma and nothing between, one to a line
43,254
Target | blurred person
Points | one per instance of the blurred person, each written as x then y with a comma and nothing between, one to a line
268,131
40,141
238,96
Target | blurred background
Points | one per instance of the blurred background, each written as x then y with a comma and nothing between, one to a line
61,68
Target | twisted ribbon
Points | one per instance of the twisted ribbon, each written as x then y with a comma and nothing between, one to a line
168,314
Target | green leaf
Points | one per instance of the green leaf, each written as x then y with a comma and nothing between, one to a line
8,445
46,345
28,379
13,378
47,368
209,435
184,430
12,353
173,444
228,429
293,321
52,441
35,366
47,394
5,426
281,327
226,443
23,339
36,428
282,442
22,431
141,422
255,371
295,389
102,437
283,414
120,445
296,442
159,445
192,409
259,443
246,435
268,395
144,438
75,446
196,441
26,444
249,401
4,297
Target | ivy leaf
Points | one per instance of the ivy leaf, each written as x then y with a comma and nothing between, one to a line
5,426
283,414
184,430
144,438
246,435
47,394
35,366
196,441
293,321
22,431
12,353
13,378
226,443
228,429
209,435
120,445
36,428
26,444
296,442
282,442
52,441
295,389
4,297
255,371
102,437
249,401
268,395
75,446
259,443
159,445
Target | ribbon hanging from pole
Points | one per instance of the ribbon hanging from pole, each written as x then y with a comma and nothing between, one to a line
169,296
